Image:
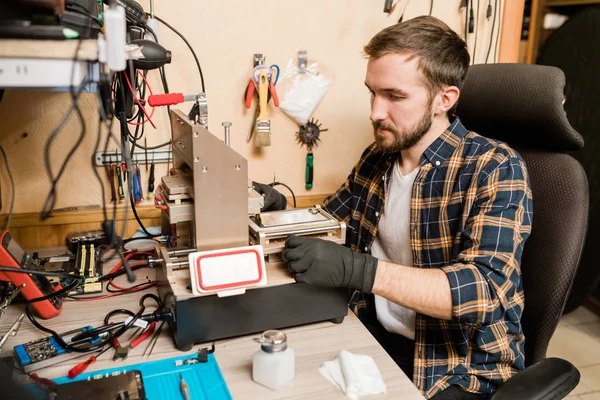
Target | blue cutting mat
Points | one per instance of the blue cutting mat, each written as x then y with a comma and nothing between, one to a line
162,382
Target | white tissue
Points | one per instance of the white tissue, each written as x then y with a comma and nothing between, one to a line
301,100
355,374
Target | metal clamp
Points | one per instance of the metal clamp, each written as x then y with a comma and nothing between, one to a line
199,112
302,60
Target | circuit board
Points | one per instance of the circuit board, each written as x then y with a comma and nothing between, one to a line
86,263
41,353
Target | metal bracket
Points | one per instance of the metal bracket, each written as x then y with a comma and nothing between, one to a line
302,60
154,156
259,59
199,112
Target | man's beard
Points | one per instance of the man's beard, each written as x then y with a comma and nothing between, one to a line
403,141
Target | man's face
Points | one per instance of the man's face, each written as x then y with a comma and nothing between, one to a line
401,106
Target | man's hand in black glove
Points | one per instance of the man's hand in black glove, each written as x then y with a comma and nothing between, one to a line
274,201
325,263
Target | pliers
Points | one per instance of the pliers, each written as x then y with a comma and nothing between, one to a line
122,352
253,85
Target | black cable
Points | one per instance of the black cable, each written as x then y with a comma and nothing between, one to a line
403,11
492,34
108,326
121,327
37,272
120,272
12,188
466,24
290,189
51,198
476,31
58,293
188,45
158,146
83,11
93,159
59,339
128,290
431,7
498,33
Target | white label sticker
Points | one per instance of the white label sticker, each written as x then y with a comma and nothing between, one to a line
229,269
58,259
140,323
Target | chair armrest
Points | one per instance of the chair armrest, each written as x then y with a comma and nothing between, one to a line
551,378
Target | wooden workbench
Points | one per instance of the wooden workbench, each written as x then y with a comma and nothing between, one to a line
313,344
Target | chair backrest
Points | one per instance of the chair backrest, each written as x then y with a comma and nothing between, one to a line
522,105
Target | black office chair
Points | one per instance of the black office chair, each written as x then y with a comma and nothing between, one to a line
522,105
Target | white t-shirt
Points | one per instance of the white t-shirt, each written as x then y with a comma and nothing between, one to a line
392,244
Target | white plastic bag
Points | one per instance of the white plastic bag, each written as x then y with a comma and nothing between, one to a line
303,88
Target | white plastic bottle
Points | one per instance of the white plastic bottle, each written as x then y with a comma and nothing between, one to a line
274,364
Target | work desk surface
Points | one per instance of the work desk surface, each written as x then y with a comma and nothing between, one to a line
313,344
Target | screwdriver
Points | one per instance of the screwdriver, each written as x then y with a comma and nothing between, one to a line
151,180
120,180
111,176
82,366
185,390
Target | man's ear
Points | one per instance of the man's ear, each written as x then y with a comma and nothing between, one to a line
448,98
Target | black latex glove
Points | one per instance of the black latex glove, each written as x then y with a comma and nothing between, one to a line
325,263
274,201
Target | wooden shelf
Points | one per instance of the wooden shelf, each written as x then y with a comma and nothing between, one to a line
49,49
557,3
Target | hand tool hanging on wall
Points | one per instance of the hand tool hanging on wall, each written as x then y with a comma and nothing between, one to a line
308,135
263,83
151,180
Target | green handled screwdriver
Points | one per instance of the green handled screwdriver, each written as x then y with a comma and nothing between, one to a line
309,170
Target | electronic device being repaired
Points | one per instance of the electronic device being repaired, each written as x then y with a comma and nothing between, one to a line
85,263
13,255
44,352
128,386
208,205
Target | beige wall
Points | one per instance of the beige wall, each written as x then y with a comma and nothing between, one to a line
225,35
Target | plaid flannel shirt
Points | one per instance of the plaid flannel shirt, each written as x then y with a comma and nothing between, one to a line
471,213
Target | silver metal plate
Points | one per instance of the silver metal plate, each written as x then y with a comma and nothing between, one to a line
178,184
291,217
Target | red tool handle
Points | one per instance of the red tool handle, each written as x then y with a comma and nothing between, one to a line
169,99
144,335
82,366
250,93
274,94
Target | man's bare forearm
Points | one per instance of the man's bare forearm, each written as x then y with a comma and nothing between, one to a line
427,291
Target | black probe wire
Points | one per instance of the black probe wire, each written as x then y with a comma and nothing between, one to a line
36,272
93,159
51,198
288,188
188,45
58,293
467,26
121,328
431,7
12,188
476,29
496,5
128,163
166,89
492,34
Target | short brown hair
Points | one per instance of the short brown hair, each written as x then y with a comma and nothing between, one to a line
443,55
